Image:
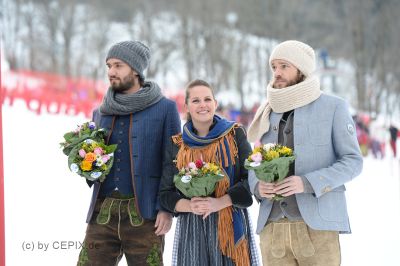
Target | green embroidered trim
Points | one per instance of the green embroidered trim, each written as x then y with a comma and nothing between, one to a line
105,211
154,257
83,256
134,217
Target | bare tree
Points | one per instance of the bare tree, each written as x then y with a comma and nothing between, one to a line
10,28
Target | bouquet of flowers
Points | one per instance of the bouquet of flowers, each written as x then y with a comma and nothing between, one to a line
270,163
88,156
198,179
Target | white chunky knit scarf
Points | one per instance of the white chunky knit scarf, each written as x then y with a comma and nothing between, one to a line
280,101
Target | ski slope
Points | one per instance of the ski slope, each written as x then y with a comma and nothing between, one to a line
46,205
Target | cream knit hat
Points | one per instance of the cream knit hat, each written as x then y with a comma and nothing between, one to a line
299,54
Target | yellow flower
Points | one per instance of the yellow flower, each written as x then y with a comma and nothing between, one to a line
214,168
285,151
210,168
86,165
272,155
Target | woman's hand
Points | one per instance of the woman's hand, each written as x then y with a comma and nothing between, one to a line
197,205
209,205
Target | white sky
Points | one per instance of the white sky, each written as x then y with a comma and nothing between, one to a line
46,203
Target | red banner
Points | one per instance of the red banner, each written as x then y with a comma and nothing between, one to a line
2,227
44,92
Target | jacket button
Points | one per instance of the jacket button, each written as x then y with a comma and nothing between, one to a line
275,128
284,204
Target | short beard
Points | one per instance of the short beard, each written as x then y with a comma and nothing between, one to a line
126,84
299,78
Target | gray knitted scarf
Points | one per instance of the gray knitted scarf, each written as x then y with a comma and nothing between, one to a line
124,104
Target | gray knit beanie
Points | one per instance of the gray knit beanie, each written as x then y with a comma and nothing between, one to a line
299,54
134,53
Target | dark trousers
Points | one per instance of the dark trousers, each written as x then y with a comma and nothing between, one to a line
393,145
108,239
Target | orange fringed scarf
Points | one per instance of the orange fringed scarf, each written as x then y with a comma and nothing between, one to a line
213,152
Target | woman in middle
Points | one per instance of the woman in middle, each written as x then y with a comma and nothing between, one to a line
213,230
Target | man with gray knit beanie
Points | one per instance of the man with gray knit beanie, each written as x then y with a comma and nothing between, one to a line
125,216
303,228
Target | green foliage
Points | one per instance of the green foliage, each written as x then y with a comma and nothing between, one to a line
199,186
88,137
272,171
72,138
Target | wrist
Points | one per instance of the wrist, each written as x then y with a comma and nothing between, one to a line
225,201
183,205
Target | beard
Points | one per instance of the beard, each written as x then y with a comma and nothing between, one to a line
299,78
123,85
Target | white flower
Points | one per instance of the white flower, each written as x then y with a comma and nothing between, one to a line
268,146
99,161
186,178
74,168
193,171
95,175
89,141
254,164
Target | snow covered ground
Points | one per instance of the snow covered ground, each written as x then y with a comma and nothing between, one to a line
46,205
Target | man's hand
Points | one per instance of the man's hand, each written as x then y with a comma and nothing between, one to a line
266,190
289,186
163,223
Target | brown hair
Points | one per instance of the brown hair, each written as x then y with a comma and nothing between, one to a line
192,84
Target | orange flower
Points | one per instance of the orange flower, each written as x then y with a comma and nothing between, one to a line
86,165
90,157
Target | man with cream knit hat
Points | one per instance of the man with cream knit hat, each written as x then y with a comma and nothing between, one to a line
303,228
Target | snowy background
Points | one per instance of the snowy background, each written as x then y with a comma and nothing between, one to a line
46,204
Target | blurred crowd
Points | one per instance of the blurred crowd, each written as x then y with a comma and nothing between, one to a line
243,115
374,136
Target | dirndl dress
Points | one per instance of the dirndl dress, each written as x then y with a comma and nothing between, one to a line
196,241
